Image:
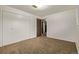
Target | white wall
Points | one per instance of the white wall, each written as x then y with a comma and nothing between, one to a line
77,21
17,26
0,28
63,25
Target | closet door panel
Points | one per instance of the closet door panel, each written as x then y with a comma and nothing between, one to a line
15,27
32,26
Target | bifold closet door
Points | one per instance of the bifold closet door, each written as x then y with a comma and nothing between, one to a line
15,27
0,27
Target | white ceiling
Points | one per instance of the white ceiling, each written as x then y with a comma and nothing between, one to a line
50,9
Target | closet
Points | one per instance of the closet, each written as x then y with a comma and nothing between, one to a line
15,26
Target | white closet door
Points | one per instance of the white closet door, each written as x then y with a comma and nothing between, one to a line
32,27
0,28
15,27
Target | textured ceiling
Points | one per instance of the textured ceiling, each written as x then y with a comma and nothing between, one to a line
50,9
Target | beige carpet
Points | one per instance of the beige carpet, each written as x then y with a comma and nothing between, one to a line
40,45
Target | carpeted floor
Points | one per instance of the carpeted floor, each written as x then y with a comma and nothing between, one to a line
40,45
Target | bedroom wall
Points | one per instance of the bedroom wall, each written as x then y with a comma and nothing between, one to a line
17,26
63,25
77,23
